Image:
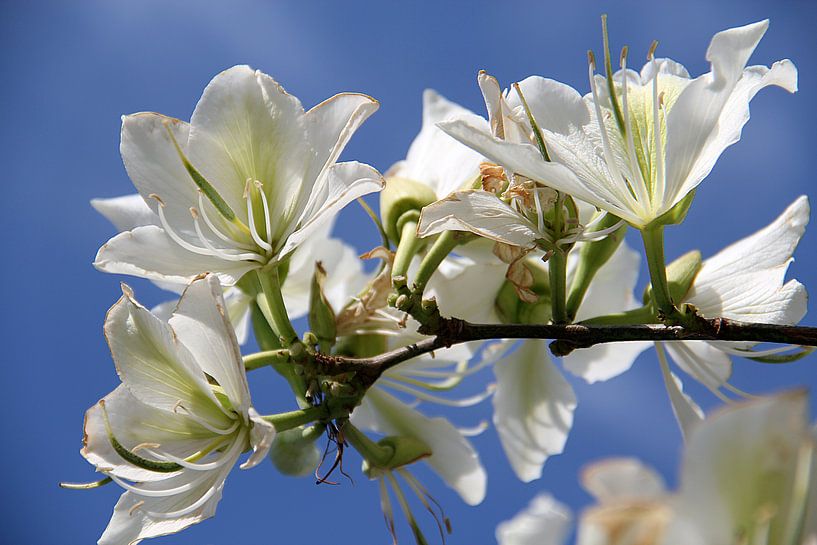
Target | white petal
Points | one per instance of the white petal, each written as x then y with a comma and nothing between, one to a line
154,166
545,521
154,366
434,158
149,253
480,212
612,288
340,185
745,280
693,119
526,160
453,457
741,460
604,361
555,106
622,479
481,281
203,327
533,408
133,519
261,437
134,423
332,123
126,212
246,126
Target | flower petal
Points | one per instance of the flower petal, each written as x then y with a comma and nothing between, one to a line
533,408
154,166
618,479
480,280
332,123
556,107
745,280
126,212
740,462
453,457
261,437
692,122
687,412
247,126
152,363
479,212
545,521
202,325
434,158
134,423
340,185
702,361
149,253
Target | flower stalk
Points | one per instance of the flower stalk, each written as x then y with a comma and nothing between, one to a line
653,238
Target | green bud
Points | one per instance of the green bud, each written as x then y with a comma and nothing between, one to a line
294,452
400,197
361,346
677,213
321,316
512,310
404,451
681,274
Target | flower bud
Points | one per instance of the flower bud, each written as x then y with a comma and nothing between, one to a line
321,316
398,199
681,274
512,309
294,452
404,450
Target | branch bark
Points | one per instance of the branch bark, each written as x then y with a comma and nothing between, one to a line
568,337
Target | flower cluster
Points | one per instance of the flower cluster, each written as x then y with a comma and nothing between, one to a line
497,233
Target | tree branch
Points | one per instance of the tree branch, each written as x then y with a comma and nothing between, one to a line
451,331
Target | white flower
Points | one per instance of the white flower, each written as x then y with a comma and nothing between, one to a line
745,281
434,159
176,426
339,260
748,476
603,151
514,212
244,184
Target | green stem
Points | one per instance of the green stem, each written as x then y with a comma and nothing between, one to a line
557,274
294,419
267,357
407,248
375,454
271,288
636,316
654,248
443,246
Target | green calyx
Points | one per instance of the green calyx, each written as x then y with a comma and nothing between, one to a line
401,201
404,450
513,310
676,214
681,274
321,315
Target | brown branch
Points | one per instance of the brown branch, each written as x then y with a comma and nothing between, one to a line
451,331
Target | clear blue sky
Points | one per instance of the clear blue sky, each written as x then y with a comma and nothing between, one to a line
70,69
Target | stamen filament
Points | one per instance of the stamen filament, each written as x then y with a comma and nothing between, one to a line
207,244
660,183
251,220
424,396
203,423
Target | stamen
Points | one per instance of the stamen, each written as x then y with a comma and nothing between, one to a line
608,68
423,495
401,500
86,486
608,152
251,220
635,164
386,507
159,493
211,225
537,133
267,217
392,382
218,462
540,220
135,507
173,235
223,254
473,431
203,423
660,182
700,372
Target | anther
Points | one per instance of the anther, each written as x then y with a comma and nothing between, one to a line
651,51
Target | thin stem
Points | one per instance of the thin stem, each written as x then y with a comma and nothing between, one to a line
267,357
271,288
294,419
557,273
654,248
384,238
407,248
443,246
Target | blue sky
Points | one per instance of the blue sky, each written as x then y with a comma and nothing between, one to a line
71,69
